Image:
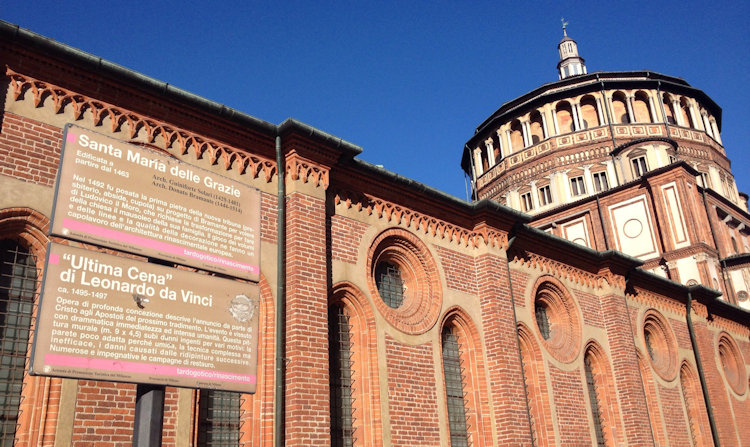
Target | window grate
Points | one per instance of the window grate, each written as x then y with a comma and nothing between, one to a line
18,286
341,377
390,284
219,418
542,319
454,390
594,401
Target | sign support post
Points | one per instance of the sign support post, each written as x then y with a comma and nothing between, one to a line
149,415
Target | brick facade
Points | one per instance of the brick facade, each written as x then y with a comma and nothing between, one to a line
479,268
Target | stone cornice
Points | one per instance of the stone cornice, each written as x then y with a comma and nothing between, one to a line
426,224
656,301
302,169
568,272
170,137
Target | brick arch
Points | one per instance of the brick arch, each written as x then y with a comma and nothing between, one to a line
476,388
424,296
731,363
652,401
605,393
37,418
256,416
368,421
564,342
537,394
695,408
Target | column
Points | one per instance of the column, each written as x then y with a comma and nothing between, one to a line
576,122
611,175
307,389
554,121
565,185
600,112
717,137
478,168
534,195
678,113
525,133
545,132
629,105
698,123
503,148
707,125
654,116
490,152
588,180
510,143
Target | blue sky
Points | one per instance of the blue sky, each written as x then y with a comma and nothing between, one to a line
408,81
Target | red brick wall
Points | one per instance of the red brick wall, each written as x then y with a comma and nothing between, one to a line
459,270
673,409
626,376
590,308
572,407
105,413
346,236
307,394
29,150
503,360
412,394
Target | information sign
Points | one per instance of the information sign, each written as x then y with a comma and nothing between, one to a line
133,199
105,317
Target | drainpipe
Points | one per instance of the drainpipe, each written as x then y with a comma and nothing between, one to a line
699,365
511,239
473,175
280,298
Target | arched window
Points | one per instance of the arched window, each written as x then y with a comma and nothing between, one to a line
18,286
641,108
619,109
536,389
595,401
340,376
590,115
353,369
697,417
454,388
537,132
564,115
600,391
668,109
652,402
687,118
516,136
465,381
218,418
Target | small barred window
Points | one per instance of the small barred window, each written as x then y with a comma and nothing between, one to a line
390,284
219,418
454,389
18,284
340,377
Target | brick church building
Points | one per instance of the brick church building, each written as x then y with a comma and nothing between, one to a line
594,292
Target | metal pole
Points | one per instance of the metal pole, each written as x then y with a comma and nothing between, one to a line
149,416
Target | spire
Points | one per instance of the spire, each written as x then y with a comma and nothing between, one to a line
571,64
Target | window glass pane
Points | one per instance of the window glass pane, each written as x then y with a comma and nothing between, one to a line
340,375
219,424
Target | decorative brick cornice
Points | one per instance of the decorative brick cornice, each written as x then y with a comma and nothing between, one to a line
426,224
564,271
173,138
300,168
734,327
653,300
